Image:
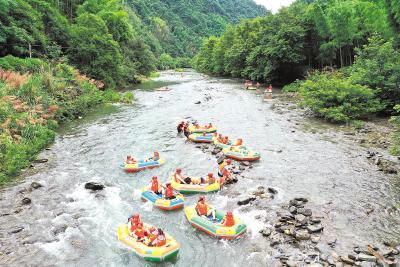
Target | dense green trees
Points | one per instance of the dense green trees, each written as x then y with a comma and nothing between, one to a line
180,25
308,34
115,41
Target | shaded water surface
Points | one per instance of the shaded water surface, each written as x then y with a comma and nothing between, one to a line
68,226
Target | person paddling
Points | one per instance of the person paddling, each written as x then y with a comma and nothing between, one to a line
169,192
155,185
228,220
203,209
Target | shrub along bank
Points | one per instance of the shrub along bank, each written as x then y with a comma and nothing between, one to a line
35,96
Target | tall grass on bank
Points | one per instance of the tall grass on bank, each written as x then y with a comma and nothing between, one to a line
35,97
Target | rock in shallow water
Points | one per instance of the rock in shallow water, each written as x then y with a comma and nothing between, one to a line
36,185
26,201
94,186
246,201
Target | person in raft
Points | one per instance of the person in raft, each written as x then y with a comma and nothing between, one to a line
238,142
186,130
169,192
228,220
269,88
130,160
209,125
139,232
161,239
178,177
203,209
133,222
151,237
258,84
156,156
155,186
225,140
210,178
180,126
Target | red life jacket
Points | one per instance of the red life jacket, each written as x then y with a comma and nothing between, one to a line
202,209
154,186
229,221
169,192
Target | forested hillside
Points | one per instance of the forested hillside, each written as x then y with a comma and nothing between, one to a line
180,25
347,51
112,40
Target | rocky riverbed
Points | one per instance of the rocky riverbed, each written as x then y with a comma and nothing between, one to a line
319,196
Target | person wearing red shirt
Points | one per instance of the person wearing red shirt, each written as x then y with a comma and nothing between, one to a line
169,192
155,186
228,221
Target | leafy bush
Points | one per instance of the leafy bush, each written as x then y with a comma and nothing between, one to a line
377,65
31,108
337,99
31,65
166,62
293,87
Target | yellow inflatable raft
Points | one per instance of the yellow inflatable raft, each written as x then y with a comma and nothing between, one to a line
202,129
155,254
214,227
195,188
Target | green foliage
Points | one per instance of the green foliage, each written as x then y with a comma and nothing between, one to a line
337,99
31,109
377,65
180,26
22,65
395,120
166,62
282,47
293,87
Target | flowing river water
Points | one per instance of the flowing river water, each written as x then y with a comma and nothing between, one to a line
66,225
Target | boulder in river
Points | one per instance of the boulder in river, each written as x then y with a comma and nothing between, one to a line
272,190
36,185
315,228
26,201
246,201
41,160
94,186
197,102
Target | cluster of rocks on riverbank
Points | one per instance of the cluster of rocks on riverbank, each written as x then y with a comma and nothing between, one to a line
297,226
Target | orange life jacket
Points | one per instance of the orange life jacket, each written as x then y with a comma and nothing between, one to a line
161,240
154,186
229,221
139,232
169,192
201,208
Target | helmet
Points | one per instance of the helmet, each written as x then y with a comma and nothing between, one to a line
136,216
210,175
168,184
154,178
178,170
229,213
156,153
202,198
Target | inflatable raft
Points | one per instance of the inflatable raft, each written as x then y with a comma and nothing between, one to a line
162,203
195,188
229,145
241,154
201,138
142,165
202,129
214,227
155,254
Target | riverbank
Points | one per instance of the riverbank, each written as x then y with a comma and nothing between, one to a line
35,97
301,158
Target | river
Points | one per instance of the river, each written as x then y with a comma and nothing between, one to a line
66,225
